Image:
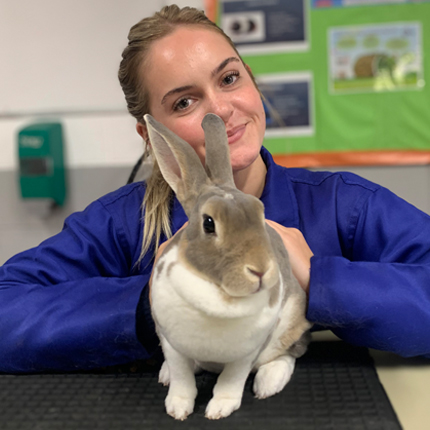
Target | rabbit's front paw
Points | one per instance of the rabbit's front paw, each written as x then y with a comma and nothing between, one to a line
164,375
222,407
272,377
179,407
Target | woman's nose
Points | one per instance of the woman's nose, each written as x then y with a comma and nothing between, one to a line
220,104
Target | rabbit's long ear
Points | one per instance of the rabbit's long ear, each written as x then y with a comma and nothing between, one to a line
179,163
217,158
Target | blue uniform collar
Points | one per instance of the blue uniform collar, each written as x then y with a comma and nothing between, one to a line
278,194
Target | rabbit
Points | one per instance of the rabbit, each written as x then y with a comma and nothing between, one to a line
223,295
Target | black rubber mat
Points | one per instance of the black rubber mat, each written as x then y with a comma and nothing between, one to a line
335,386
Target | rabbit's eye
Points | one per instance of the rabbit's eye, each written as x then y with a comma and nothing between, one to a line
208,224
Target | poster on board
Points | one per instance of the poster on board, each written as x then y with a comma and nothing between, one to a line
288,103
345,3
380,57
264,27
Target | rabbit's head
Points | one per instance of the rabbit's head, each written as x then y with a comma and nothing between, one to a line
226,240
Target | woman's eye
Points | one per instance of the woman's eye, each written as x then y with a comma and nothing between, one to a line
182,104
231,78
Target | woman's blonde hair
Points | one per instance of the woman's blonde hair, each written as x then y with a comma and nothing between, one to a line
158,194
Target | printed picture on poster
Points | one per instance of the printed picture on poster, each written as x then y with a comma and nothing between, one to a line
383,57
288,103
258,27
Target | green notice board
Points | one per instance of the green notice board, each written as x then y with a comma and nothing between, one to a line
367,72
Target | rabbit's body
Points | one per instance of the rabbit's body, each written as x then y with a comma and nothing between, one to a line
201,323
223,294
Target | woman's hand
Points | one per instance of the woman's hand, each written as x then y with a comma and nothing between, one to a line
299,252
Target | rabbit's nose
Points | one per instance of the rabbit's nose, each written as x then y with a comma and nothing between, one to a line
256,273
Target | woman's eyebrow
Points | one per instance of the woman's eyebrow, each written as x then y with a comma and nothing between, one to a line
224,64
217,70
175,91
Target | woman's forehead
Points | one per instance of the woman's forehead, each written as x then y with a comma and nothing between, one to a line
188,47
184,58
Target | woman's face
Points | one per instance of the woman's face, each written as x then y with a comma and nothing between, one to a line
195,71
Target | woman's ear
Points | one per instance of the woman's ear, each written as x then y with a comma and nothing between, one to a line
142,131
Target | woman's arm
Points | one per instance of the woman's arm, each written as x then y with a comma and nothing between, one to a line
376,292
71,302
380,296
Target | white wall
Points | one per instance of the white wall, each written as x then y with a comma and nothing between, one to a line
59,61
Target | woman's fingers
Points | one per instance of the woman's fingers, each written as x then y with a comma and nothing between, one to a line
298,250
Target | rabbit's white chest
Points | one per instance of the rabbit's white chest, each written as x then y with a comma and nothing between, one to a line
197,320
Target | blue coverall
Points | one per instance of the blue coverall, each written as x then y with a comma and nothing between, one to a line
71,303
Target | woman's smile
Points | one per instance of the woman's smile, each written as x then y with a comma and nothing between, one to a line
235,134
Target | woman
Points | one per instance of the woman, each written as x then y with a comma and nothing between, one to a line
80,299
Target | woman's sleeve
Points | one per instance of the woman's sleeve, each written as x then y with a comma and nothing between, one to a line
380,297
71,302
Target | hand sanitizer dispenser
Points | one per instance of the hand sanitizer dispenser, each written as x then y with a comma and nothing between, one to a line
41,163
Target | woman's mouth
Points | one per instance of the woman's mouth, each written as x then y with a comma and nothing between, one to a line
234,134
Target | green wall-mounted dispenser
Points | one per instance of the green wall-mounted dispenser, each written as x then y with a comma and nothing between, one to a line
41,162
